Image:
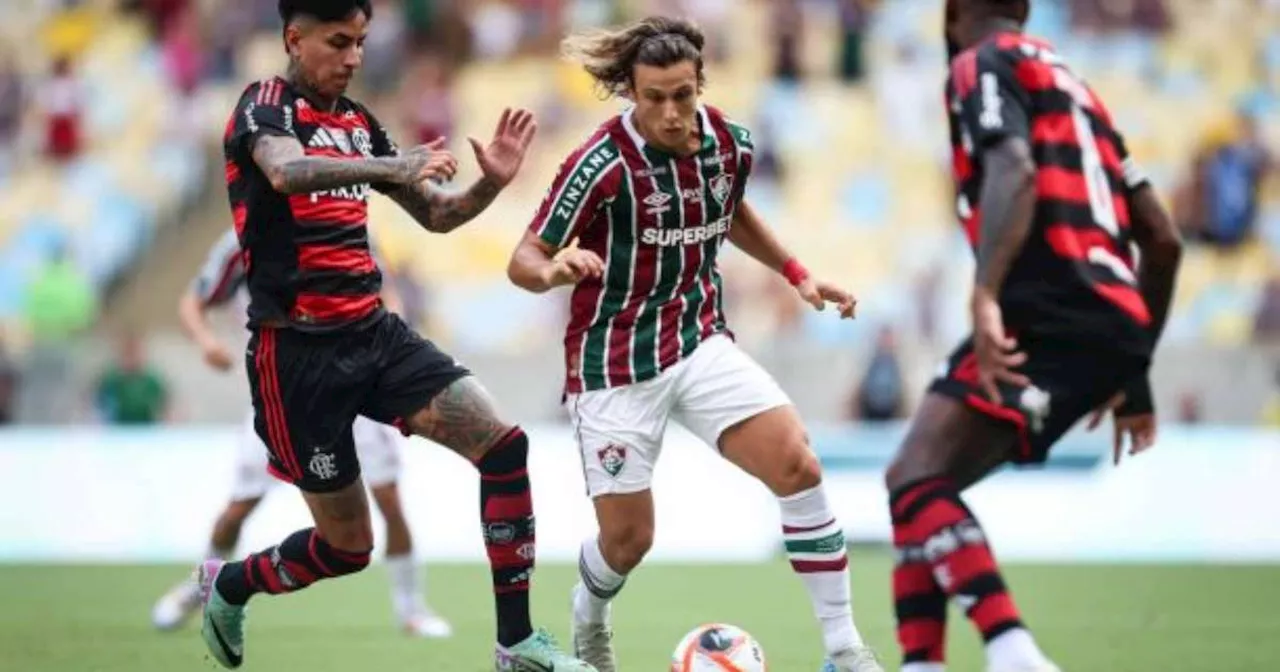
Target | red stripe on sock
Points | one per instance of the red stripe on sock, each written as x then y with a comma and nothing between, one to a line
915,492
508,507
315,557
787,529
350,557
815,566
935,516
921,633
274,585
993,610
913,579
968,562
301,573
505,478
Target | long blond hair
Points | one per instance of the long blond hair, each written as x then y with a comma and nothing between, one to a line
610,56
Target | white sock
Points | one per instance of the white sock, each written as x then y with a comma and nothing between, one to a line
1013,650
924,667
405,595
816,549
597,585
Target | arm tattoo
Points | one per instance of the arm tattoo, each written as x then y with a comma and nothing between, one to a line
461,418
441,212
292,172
1008,206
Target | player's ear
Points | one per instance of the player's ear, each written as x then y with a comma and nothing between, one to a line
292,35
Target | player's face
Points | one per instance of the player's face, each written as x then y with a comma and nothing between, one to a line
666,99
329,53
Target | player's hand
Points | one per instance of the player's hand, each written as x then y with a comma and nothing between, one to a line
427,162
572,265
997,352
818,294
1140,429
501,160
217,356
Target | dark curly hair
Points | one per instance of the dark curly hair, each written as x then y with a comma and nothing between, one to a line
324,10
610,56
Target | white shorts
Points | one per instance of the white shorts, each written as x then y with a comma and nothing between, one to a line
620,430
377,447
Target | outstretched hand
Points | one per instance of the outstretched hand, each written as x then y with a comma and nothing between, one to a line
501,159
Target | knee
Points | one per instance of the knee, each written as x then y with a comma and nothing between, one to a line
625,547
800,470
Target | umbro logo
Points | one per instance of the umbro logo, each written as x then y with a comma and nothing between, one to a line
657,202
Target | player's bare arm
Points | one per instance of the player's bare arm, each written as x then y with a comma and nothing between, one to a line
751,235
462,418
1008,206
538,267
291,171
192,313
439,211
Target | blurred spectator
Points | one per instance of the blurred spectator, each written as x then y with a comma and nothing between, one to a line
231,21
8,387
496,29
1219,204
1266,324
384,50
130,391
1190,408
855,16
59,306
881,395
12,102
1271,409
428,99
1149,16
62,100
183,51
788,29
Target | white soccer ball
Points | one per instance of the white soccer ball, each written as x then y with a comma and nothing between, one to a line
717,647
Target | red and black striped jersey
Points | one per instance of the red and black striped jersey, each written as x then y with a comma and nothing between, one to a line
307,256
1075,278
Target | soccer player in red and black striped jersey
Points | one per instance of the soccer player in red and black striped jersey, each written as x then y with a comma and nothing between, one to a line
1064,319
301,161
650,198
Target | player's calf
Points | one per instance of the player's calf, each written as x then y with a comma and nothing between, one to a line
506,513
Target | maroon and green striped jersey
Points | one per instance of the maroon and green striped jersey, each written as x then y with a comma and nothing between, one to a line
658,221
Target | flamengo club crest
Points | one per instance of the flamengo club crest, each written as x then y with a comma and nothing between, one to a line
612,458
323,465
721,185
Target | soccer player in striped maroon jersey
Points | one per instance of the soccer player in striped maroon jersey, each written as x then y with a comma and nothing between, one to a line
301,160
1064,320
635,220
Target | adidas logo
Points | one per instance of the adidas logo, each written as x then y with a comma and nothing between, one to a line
334,138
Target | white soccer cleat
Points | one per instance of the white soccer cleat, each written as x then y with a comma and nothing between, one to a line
856,659
593,642
425,623
173,608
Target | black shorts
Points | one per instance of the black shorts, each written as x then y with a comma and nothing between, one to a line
1067,383
308,389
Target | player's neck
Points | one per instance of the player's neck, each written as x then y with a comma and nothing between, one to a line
297,81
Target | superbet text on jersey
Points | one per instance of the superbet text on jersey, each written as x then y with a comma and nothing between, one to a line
1075,277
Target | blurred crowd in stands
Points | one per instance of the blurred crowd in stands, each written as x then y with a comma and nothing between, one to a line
111,111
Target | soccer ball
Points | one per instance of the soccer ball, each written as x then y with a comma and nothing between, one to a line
718,648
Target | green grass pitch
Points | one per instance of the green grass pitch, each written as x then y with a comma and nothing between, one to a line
1090,618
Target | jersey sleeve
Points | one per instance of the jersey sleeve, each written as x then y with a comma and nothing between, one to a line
265,109
223,272
580,189
993,105
745,146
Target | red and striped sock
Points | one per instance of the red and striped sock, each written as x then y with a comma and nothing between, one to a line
937,530
815,546
506,513
919,604
299,561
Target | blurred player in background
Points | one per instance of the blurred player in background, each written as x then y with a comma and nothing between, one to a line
301,160
221,282
635,219
1064,320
